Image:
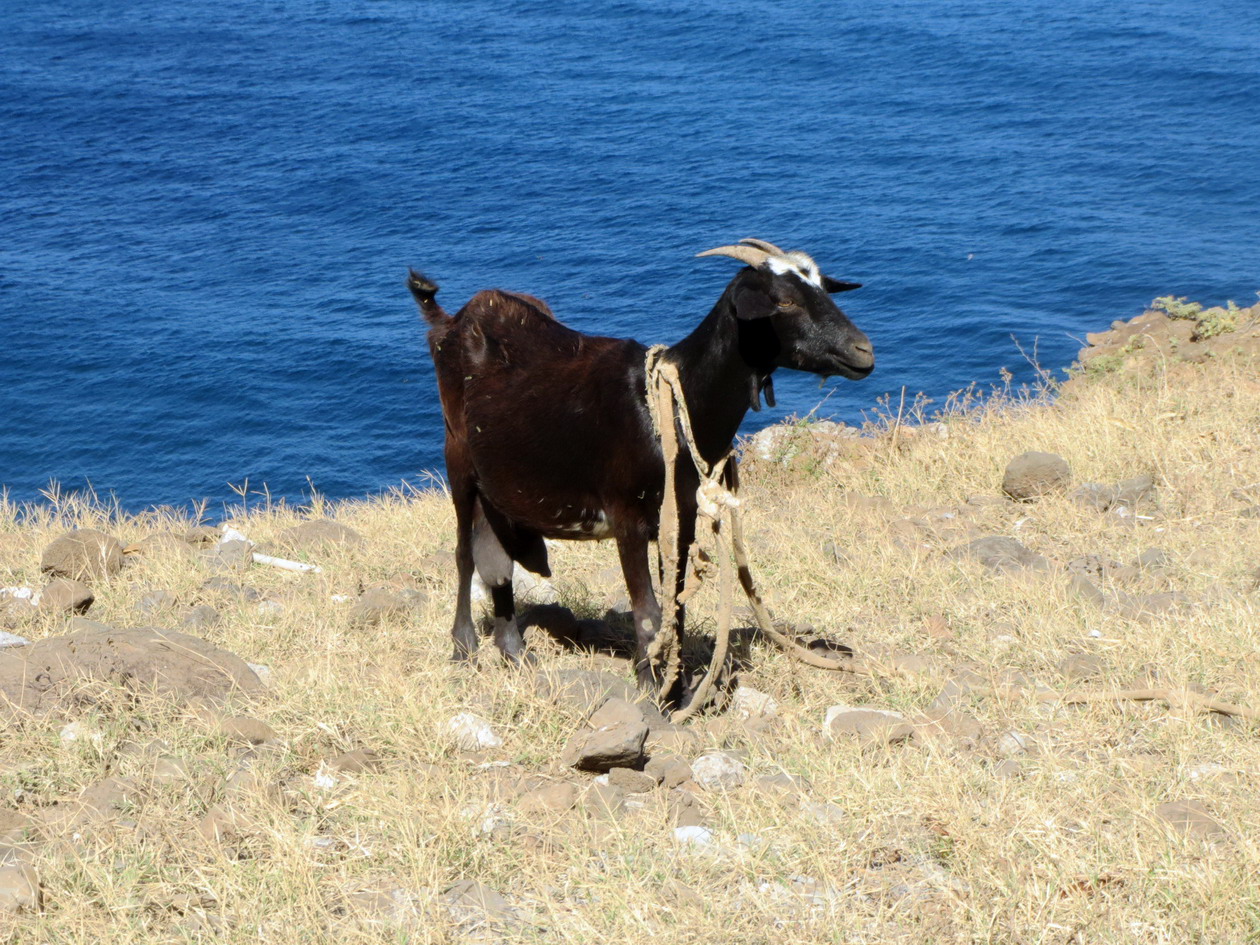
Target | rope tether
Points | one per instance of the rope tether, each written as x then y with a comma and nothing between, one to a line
668,408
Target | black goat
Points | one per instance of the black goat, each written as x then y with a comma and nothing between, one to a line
549,435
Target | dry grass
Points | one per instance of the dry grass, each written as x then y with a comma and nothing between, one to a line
922,842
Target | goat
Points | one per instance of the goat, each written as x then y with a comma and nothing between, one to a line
549,434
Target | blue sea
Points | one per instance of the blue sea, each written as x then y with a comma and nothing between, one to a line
208,209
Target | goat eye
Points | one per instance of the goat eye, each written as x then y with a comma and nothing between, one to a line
786,304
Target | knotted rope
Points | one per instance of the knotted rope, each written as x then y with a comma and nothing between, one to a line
719,504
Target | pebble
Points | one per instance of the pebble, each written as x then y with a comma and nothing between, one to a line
472,733
694,836
12,639
718,771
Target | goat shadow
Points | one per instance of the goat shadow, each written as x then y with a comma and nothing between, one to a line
613,635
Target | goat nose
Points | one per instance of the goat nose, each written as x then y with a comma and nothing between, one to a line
864,351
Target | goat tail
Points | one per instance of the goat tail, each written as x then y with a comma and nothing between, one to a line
423,289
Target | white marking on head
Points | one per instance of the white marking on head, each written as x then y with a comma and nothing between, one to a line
797,264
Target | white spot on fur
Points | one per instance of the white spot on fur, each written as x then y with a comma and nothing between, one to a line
797,264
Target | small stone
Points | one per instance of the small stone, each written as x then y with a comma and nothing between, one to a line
871,726
582,689
1130,492
471,903
1008,769
19,883
685,809
668,770
358,761
617,746
12,639
781,784
1190,818
472,733
1152,558
749,703
1080,666
83,555
672,739
823,813
719,771
380,603
201,535
693,836
230,588
603,800
168,768
235,555
1013,743
1084,588
616,711
631,781
201,617
251,731
1001,554
319,535
262,671
66,596
555,798
155,601
1033,474
1093,495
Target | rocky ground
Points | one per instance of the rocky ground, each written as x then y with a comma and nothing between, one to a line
1046,732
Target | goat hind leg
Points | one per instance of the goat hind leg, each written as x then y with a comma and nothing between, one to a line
495,566
647,612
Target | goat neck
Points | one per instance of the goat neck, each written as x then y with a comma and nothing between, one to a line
717,380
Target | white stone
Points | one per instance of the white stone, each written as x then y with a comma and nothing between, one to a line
12,639
472,733
694,836
718,771
749,703
840,709
262,671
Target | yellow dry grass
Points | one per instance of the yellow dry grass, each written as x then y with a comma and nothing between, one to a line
936,840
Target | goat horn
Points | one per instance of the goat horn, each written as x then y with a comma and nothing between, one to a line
762,244
745,254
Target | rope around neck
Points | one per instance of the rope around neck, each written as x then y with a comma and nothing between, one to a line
714,501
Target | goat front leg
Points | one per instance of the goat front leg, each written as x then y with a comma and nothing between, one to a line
463,631
633,553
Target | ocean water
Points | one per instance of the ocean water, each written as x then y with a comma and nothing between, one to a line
207,210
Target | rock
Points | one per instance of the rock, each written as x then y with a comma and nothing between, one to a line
168,768
749,703
471,732
668,770
603,800
235,555
1032,475
1152,559
11,639
15,827
1130,492
202,535
1093,495
230,588
83,555
156,601
870,726
672,739
1013,743
358,761
550,799
1001,554
224,823
19,883
66,596
99,801
616,711
472,904
1190,818
582,690
241,728
381,907
51,673
631,781
719,771
782,784
616,746
379,603
320,534
201,617
1080,666
162,546
693,836
1008,769
1084,588
262,671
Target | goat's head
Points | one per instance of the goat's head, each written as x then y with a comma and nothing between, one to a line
787,317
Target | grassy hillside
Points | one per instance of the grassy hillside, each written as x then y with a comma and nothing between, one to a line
991,811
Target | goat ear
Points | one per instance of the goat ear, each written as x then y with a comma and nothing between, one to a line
753,303
832,286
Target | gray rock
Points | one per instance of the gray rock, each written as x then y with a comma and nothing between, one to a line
1190,818
1084,588
616,711
229,588
617,746
19,883
668,770
719,771
1002,554
631,781
1080,666
1152,558
66,596
156,601
549,799
871,726
231,556
320,534
84,555
358,761
251,731
472,904
379,603
1032,475
12,639
201,617
582,690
